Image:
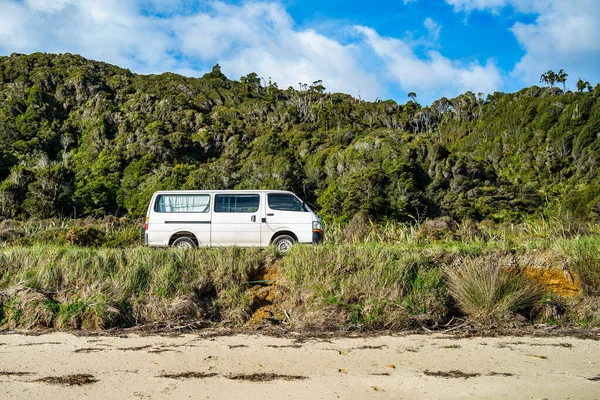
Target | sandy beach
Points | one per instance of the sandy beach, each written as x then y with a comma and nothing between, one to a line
65,366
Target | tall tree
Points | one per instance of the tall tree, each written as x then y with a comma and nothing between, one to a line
582,85
548,78
561,77
412,95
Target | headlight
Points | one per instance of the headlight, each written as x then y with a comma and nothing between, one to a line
317,226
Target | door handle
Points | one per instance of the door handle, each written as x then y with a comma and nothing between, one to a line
270,215
253,218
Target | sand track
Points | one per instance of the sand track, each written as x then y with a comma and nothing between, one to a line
61,365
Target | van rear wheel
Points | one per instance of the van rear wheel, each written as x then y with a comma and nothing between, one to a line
184,243
284,243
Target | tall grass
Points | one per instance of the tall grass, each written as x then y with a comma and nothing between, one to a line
584,254
108,232
123,232
367,285
365,275
482,289
143,282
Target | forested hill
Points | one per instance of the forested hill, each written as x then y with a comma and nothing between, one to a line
79,137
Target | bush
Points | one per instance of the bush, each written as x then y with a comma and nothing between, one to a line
438,229
10,235
85,236
484,290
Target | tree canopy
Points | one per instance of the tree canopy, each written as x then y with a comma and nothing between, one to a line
81,137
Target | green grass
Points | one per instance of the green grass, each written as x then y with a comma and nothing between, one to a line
584,254
368,276
373,286
91,281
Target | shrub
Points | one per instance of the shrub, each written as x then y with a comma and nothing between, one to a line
482,289
438,229
84,236
10,235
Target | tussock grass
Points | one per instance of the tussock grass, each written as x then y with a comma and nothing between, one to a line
372,286
485,290
584,254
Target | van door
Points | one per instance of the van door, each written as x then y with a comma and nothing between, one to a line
236,220
286,212
179,212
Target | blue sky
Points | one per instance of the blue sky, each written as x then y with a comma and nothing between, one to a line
377,49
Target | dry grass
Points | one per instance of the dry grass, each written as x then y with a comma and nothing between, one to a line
366,276
482,289
91,289
366,286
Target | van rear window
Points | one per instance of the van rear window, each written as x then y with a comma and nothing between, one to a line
237,203
182,203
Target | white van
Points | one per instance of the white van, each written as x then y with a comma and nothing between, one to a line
245,218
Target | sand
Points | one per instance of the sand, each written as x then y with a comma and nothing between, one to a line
65,366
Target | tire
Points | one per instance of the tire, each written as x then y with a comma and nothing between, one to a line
284,243
184,242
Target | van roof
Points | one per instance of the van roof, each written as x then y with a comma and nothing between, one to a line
220,191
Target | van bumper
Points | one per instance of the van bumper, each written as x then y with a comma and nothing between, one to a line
317,237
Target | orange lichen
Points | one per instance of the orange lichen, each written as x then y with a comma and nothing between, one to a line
555,280
551,270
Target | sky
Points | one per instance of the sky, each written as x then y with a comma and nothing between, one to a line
368,49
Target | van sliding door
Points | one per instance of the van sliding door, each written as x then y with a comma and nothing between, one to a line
236,220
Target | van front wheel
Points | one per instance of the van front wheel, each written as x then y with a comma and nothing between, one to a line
284,243
184,243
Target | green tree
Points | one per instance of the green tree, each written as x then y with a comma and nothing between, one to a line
548,78
561,77
582,85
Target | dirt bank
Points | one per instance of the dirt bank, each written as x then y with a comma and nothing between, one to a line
61,365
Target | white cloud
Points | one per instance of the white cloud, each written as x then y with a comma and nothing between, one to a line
564,35
433,28
433,76
153,36
108,30
252,37
496,5
260,37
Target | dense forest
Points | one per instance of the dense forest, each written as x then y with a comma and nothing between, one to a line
85,138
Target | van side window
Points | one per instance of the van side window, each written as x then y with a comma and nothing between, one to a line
284,202
237,203
182,203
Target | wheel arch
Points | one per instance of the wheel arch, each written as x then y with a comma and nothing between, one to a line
178,234
283,232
